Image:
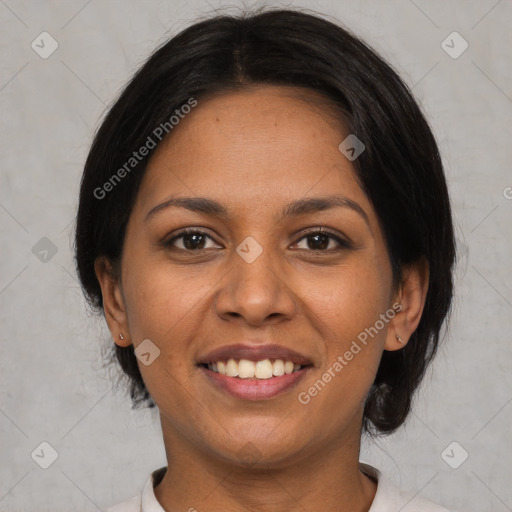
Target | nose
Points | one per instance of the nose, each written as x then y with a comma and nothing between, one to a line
256,292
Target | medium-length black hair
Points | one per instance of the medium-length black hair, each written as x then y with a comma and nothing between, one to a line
400,169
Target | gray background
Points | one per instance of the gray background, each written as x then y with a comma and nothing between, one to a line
53,386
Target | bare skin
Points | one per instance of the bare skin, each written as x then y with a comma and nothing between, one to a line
255,152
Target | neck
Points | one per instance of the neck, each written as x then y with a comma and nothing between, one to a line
330,478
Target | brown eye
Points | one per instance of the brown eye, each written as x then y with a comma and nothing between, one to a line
323,241
192,240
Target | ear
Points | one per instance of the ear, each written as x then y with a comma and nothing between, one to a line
411,295
113,301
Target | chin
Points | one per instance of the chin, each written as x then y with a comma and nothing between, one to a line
261,451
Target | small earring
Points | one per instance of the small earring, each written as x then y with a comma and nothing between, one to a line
399,338
121,337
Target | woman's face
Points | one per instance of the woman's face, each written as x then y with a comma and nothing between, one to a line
256,281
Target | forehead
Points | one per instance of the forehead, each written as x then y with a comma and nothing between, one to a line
254,147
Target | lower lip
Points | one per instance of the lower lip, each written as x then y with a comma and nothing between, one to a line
255,389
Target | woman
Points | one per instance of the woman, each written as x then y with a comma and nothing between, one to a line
264,223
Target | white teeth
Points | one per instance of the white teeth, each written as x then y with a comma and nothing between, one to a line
232,368
245,369
221,367
278,368
263,369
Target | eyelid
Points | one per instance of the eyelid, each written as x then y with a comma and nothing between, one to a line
342,240
324,230
186,231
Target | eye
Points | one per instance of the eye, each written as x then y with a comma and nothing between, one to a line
192,240
320,240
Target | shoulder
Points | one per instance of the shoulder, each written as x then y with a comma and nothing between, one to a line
390,498
145,500
131,505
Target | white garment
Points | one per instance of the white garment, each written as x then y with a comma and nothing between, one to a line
388,497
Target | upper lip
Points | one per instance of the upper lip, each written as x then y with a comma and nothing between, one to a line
254,353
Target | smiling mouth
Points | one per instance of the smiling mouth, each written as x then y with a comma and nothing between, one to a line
256,370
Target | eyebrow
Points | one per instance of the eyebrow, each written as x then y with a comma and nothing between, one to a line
293,209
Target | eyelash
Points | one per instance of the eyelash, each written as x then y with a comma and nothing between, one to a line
344,244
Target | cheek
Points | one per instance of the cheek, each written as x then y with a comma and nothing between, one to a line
347,302
162,306
346,315
161,299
